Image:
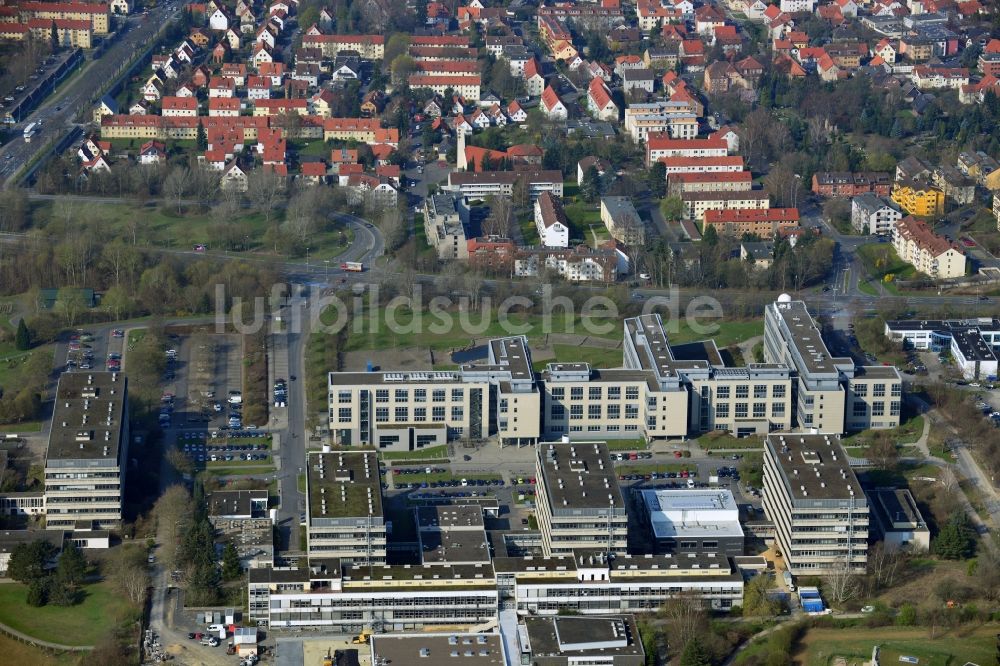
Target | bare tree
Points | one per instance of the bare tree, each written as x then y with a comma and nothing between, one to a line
842,584
685,615
176,185
883,563
173,511
753,134
130,574
501,218
265,189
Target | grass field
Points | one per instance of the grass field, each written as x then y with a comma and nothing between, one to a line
722,440
83,624
595,356
820,647
163,226
726,333
907,433
16,652
442,476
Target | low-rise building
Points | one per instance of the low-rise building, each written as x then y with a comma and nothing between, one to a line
896,520
673,119
974,343
482,184
460,649
622,220
693,520
571,641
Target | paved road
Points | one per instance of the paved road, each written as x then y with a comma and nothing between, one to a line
59,112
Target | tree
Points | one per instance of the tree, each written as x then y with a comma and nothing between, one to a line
22,339
265,190
72,566
590,188
231,567
54,36
881,451
500,220
841,584
202,137
130,574
956,540
685,617
657,179
695,654
756,601
38,592
176,185
401,68
28,560
672,209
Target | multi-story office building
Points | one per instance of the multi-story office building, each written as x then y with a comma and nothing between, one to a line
580,506
831,394
348,598
344,507
444,226
819,511
407,411
628,584
87,451
751,400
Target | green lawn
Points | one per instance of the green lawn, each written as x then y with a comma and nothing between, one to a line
881,261
315,148
908,432
164,226
597,357
529,233
441,476
659,468
454,337
727,333
866,287
16,652
719,441
83,624
635,444
821,646
230,468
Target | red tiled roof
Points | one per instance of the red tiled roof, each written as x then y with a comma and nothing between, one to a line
752,215
598,91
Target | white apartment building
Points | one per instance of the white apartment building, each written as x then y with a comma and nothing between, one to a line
872,214
344,507
818,508
551,221
673,119
87,453
481,184
830,394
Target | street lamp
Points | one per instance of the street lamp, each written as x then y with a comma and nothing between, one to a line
307,256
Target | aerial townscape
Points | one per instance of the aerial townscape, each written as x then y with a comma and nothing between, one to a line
500,332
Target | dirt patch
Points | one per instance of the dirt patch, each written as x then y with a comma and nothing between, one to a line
403,358
314,651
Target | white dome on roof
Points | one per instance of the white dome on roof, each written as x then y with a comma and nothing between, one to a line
784,298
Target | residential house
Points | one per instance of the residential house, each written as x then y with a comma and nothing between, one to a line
637,79
846,184
599,101
233,178
622,221
552,106
583,166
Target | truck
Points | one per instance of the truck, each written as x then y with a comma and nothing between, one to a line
29,132
352,266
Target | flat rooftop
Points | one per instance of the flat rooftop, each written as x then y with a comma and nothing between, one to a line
513,353
801,331
390,378
651,345
607,637
476,649
692,512
472,574
877,372
454,546
344,484
815,467
237,503
897,508
88,417
577,476
944,325
456,517
972,346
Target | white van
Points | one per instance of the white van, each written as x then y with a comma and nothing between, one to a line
215,628
235,398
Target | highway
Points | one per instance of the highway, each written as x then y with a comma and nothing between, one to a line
58,114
